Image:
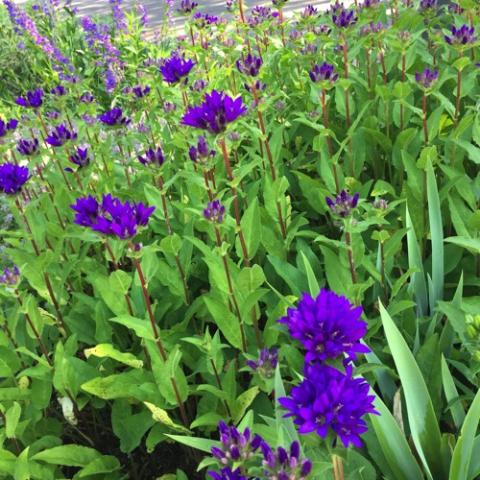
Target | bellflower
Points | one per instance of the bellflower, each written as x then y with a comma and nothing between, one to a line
228,474
114,118
260,14
81,157
198,85
250,65
140,91
426,78
176,68
111,216
214,212
201,153
266,363
87,97
59,91
28,147
235,446
203,19
152,157
329,400
32,99
323,73
280,464
344,18
187,6
328,326
463,35
7,126
10,276
342,204
12,178
60,135
309,11
215,113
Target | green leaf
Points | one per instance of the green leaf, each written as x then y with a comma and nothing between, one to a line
436,233
422,420
12,416
141,327
161,416
202,444
252,227
451,394
312,281
226,321
243,402
470,244
394,445
68,455
462,455
106,350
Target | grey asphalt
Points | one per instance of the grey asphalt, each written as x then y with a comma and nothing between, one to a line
156,8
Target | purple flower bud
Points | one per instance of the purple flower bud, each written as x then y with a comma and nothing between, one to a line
169,107
140,91
199,85
60,135
59,91
187,6
323,73
114,118
214,212
80,157
266,363
463,35
87,97
8,126
342,204
152,157
344,18
28,147
428,4
250,65
10,276
201,153
309,11
426,78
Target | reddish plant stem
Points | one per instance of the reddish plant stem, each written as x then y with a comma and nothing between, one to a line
219,383
425,126
236,207
156,335
351,262
326,124
180,269
240,8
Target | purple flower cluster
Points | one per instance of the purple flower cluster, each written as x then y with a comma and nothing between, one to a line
12,178
464,35
228,474
23,24
10,276
266,363
111,216
328,326
59,91
60,135
152,157
176,68
28,147
203,19
260,14
215,211
80,157
343,204
114,118
32,99
330,400
187,6
323,73
344,18
309,11
426,78
280,464
7,126
201,153
215,113
249,65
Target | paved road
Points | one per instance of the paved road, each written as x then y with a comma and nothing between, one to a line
156,8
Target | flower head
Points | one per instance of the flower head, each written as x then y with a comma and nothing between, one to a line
139,91
111,216
463,35
12,178
426,78
114,118
80,157
28,147
328,326
176,68
203,19
344,18
201,153
343,203
309,11
187,6
250,65
323,73
32,99
87,97
59,91
214,212
199,85
266,363
280,464
228,474
329,400
215,113
7,126
60,135
10,276
152,157
235,446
